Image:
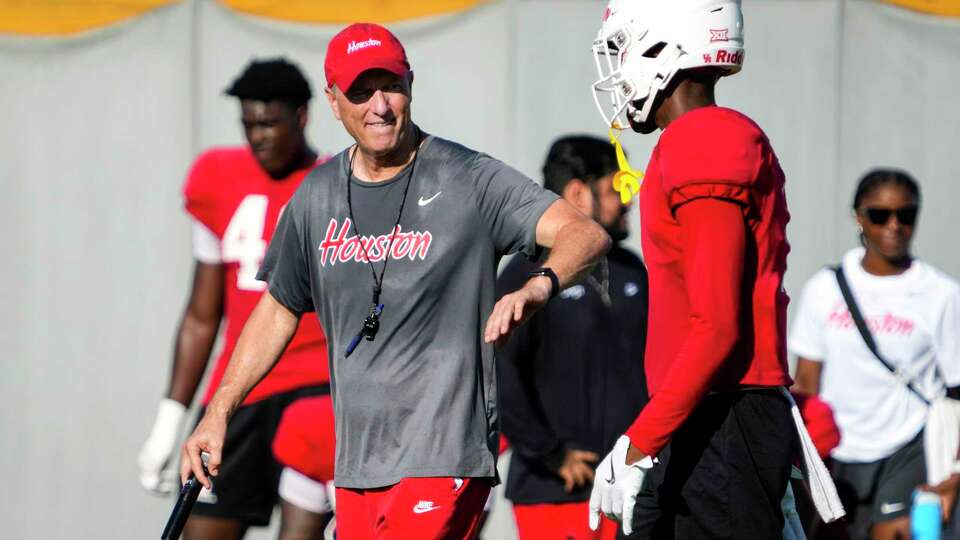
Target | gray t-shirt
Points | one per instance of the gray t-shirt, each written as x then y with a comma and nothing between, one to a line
420,400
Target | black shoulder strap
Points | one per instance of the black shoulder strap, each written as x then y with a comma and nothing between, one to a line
865,331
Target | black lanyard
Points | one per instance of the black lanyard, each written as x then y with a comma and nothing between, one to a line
371,325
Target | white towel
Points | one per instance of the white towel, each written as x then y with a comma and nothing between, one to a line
941,439
822,490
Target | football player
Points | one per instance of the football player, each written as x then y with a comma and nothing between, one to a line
235,196
713,222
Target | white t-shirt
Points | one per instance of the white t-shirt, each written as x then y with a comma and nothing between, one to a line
915,320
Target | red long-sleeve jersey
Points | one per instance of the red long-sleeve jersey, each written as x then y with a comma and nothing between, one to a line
713,216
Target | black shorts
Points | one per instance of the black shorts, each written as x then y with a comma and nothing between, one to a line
246,488
724,472
880,490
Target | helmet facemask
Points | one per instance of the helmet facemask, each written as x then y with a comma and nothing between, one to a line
632,69
609,52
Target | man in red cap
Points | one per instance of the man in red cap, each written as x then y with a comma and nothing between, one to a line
394,243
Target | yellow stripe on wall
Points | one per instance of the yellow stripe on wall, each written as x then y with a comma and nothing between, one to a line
347,11
946,8
63,17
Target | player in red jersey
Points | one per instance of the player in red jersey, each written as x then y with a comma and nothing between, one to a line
713,221
235,197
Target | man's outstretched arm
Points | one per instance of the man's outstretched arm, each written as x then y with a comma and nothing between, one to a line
576,243
262,341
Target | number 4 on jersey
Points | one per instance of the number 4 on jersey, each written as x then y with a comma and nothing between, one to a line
243,241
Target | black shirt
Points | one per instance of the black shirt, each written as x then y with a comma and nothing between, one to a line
572,377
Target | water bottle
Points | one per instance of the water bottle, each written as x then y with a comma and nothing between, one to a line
926,517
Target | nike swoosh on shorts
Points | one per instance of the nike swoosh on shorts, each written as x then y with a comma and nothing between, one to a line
889,508
423,507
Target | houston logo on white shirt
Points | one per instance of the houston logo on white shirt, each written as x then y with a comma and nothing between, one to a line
887,323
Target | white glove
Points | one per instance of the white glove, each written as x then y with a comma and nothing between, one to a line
616,485
156,475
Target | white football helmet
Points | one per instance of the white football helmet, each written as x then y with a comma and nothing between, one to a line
642,44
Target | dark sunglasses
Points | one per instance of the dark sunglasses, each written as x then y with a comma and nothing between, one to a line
880,216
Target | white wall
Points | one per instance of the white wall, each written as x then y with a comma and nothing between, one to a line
96,132
101,128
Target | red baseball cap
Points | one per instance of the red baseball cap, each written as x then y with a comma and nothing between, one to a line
359,47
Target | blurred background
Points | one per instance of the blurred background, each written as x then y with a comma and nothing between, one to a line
106,103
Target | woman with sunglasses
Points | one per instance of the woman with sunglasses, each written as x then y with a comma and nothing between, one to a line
912,311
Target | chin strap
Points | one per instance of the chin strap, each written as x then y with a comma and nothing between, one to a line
627,180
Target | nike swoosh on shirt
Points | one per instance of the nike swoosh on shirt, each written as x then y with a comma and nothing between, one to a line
889,508
424,202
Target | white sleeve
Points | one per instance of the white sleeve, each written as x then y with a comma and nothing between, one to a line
806,335
206,244
948,339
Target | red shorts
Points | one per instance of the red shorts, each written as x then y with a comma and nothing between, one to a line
305,440
434,508
562,520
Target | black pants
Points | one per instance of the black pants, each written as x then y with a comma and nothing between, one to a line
724,472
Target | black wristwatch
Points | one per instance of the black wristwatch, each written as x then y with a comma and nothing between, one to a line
547,272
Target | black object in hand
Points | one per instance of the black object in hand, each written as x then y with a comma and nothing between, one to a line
181,511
